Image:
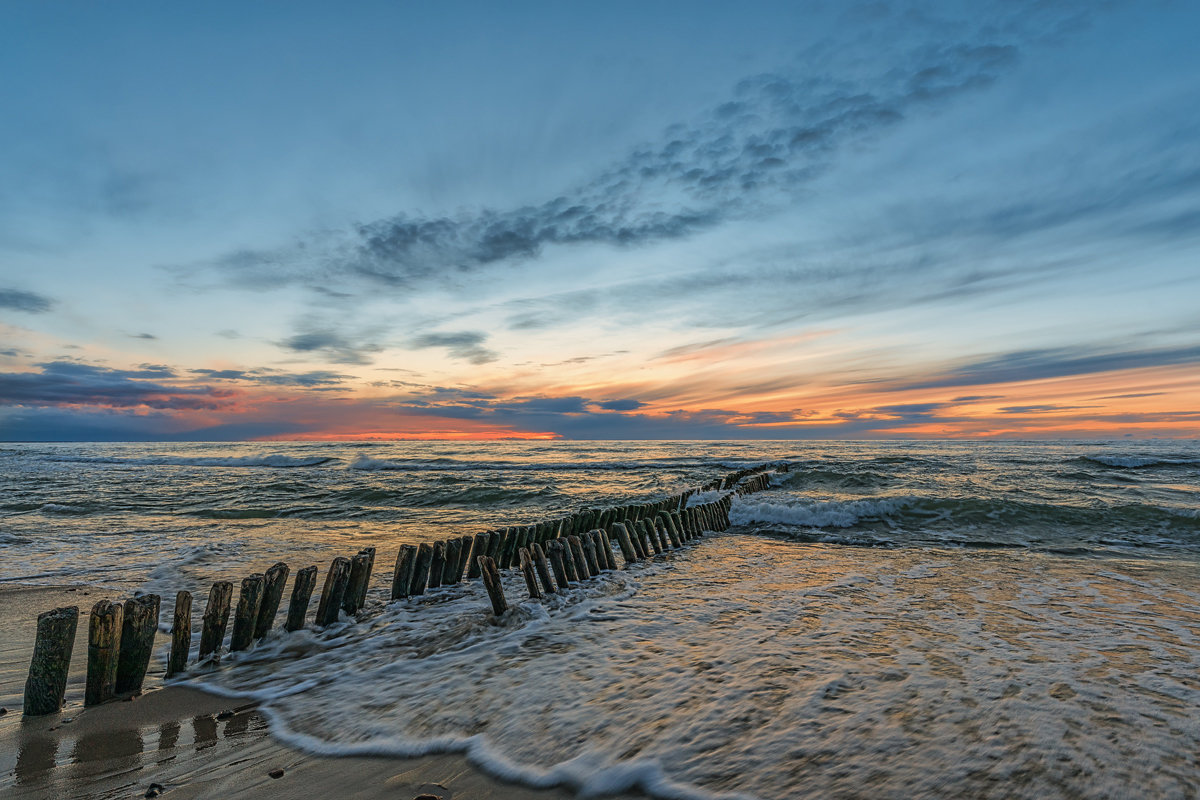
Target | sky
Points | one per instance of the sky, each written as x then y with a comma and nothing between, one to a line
618,220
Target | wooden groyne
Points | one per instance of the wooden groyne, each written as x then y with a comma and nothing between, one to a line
552,555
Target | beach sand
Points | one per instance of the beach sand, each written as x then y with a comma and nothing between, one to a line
184,740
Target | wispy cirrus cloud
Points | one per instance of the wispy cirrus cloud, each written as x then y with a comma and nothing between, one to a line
28,302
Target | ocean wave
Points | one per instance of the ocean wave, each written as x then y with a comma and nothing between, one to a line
275,460
62,508
830,514
364,462
1140,462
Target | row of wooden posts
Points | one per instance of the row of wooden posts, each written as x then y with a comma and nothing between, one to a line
551,555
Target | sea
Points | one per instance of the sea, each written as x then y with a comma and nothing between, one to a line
890,619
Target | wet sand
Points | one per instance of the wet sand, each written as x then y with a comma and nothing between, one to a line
186,741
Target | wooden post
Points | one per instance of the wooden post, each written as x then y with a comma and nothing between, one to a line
589,553
302,589
334,591
645,538
554,550
628,551
453,552
635,534
437,565
491,580
275,578
46,685
421,569
402,576
542,566
569,560
249,602
581,565
664,541
663,519
181,634
478,548
139,623
508,553
216,617
609,558
360,578
526,563
464,553
104,649
494,542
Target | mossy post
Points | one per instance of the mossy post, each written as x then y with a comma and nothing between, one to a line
334,591
181,634
402,575
491,580
609,558
139,623
216,618
275,578
590,555
244,619
104,650
46,685
302,589
420,578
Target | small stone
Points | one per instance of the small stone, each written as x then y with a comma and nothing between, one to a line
226,714
155,790
428,797
276,773
3,711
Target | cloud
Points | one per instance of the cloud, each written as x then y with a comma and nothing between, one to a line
29,302
774,134
1038,364
142,336
467,345
620,405
64,383
331,344
269,377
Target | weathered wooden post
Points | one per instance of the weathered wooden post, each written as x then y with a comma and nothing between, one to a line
274,580
664,521
46,685
494,542
569,560
609,558
306,581
139,623
526,564
420,577
216,618
591,557
542,566
402,576
554,551
334,591
437,565
648,542
581,564
360,578
491,581
249,601
635,533
464,553
104,649
628,551
450,574
478,548
181,634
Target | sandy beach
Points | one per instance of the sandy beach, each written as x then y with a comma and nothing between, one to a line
181,742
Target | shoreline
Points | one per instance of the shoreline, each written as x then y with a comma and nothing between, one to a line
190,742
